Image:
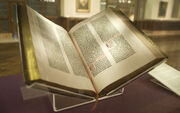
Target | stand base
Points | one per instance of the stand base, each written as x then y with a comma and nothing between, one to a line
61,102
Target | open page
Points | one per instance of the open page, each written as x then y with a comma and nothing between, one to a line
57,59
111,50
168,76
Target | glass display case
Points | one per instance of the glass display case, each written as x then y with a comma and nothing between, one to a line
157,19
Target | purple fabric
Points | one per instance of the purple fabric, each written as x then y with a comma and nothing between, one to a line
10,95
140,96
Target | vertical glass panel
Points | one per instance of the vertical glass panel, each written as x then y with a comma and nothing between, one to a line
50,7
103,5
35,4
127,7
3,8
112,3
4,25
14,13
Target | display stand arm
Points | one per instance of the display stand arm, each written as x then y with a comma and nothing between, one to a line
61,102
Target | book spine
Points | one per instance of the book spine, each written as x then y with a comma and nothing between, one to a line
86,68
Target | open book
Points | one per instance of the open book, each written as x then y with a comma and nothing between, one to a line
97,56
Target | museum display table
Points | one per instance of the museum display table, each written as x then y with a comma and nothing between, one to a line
140,96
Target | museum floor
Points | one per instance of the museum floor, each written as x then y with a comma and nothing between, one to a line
168,41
